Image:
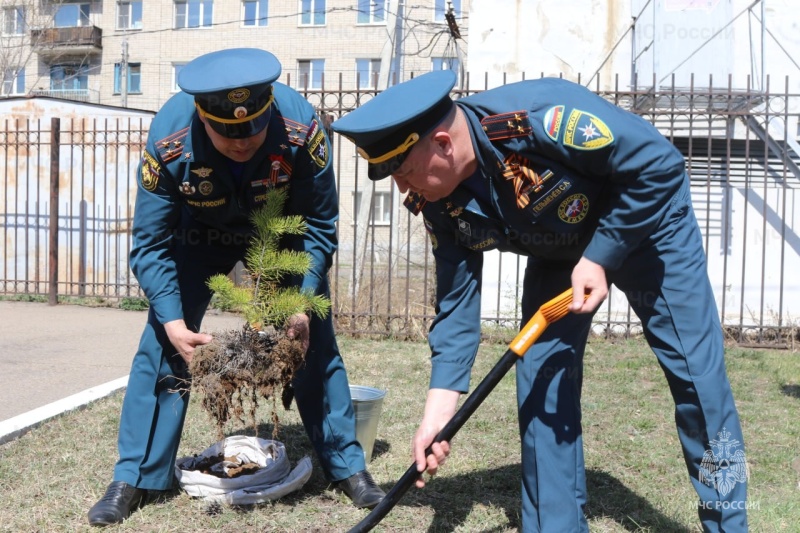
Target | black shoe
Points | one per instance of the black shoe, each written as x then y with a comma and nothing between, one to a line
119,501
361,488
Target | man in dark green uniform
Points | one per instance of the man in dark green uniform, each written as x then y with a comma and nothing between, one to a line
591,195
213,150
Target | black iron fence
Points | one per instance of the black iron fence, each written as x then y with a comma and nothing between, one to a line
69,186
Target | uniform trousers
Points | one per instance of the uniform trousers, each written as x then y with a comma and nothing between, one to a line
153,414
666,283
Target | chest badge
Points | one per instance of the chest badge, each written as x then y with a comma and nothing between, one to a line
205,187
463,227
202,172
187,188
574,208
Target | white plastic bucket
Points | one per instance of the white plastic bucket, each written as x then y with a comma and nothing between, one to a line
367,402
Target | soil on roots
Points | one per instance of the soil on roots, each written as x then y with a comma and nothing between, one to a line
241,369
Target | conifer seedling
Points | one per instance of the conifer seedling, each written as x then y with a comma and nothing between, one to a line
240,369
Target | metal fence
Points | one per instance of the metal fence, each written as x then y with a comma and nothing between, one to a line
68,192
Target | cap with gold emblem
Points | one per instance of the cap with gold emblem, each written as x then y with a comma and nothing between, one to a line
232,89
387,127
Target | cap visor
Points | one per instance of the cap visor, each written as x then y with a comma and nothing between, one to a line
378,171
241,130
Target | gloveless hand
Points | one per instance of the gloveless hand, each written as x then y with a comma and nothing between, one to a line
588,278
185,340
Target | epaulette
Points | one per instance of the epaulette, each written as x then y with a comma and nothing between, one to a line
296,132
414,202
171,146
507,125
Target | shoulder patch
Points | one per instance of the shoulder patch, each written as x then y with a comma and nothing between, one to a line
295,131
316,145
552,121
171,146
507,125
150,172
414,202
585,131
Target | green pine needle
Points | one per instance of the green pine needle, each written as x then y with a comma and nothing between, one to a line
261,300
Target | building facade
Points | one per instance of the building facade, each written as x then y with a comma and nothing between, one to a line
128,52
722,86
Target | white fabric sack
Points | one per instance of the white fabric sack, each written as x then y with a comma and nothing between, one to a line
270,482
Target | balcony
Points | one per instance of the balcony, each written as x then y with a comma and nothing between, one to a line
77,95
79,40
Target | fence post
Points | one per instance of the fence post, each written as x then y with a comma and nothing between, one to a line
55,150
82,247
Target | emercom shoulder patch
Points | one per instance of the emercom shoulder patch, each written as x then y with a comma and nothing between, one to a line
151,171
316,145
585,131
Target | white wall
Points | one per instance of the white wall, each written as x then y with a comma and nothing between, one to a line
549,37
588,37
100,149
702,37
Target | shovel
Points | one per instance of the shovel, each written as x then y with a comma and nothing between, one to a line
548,313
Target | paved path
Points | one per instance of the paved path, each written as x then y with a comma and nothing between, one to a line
56,358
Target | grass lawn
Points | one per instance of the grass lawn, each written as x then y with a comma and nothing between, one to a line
636,477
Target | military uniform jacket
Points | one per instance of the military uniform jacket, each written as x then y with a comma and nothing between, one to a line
561,173
189,193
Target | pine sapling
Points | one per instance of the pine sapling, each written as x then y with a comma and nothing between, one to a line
241,368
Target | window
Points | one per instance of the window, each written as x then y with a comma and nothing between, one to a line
69,77
312,12
13,81
255,13
381,214
134,78
129,15
72,15
445,63
443,6
193,13
367,71
176,71
371,11
309,73
14,20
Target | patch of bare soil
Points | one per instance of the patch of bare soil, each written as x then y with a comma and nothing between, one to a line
242,369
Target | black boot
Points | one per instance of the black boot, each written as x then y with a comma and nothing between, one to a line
119,501
361,488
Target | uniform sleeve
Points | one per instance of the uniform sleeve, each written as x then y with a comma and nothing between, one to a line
312,195
154,224
455,333
641,169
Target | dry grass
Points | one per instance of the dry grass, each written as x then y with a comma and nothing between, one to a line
637,482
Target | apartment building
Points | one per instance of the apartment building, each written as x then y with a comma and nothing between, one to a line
129,52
